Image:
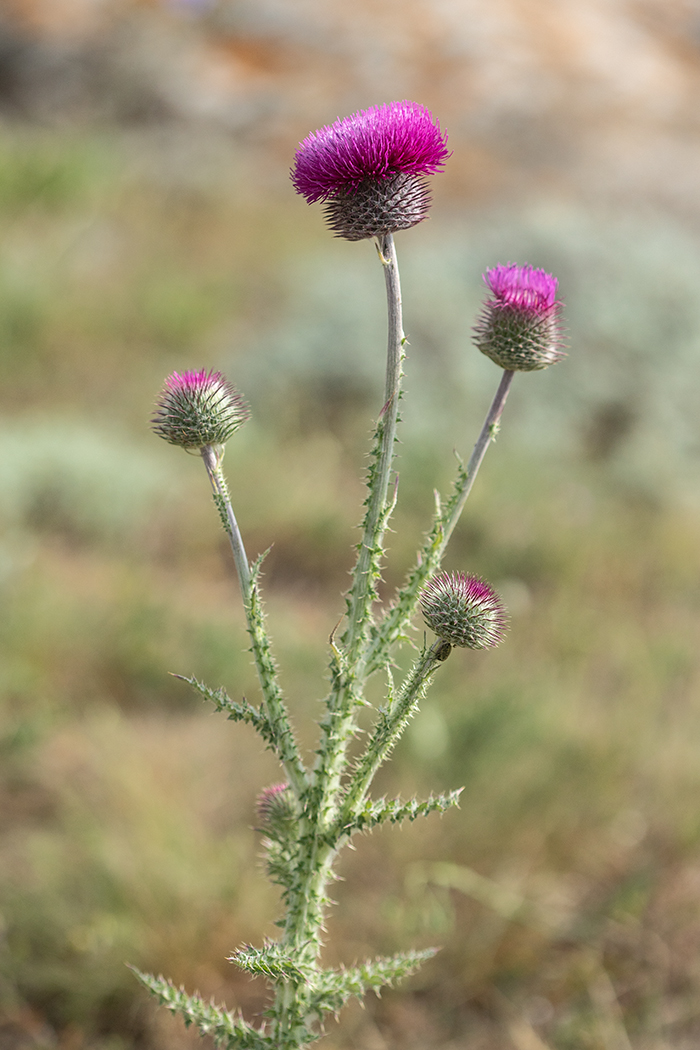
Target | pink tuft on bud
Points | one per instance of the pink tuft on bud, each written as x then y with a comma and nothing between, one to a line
464,610
523,286
519,327
197,409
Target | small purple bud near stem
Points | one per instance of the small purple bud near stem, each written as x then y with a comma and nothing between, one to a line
519,327
369,169
275,809
463,610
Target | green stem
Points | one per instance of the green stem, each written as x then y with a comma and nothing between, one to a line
366,569
488,432
307,898
339,726
213,456
391,723
275,708
430,556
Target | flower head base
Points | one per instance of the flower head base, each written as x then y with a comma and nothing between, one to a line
276,810
197,409
520,327
368,168
464,610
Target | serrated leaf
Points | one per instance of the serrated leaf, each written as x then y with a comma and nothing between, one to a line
236,712
269,961
228,1030
335,987
395,811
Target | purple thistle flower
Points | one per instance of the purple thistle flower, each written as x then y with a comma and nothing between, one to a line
368,168
519,327
197,409
464,610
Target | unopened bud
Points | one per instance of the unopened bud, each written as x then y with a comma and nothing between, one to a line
197,409
519,327
276,810
464,610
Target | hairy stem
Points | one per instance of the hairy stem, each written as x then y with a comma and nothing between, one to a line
489,431
275,708
390,725
366,569
430,555
338,726
212,461
307,897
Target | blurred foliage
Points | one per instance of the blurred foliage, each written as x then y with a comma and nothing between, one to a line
127,807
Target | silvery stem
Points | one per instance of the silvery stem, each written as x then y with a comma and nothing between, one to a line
287,749
347,665
212,462
430,556
363,583
391,723
488,432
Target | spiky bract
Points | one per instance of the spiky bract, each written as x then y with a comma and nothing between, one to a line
519,327
368,168
464,610
197,409
377,207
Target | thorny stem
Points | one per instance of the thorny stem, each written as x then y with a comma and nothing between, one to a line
260,645
390,725
347,663
212,461
363,575
488,433
307,899
430,556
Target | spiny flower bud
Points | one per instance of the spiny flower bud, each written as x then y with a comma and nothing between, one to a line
520,327
368,168
275,809
197,409
464,610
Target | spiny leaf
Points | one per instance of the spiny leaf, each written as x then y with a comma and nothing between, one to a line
395,811
228,1030
236,712
335,987
271,961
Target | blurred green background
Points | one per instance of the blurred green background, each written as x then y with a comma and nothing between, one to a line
148,225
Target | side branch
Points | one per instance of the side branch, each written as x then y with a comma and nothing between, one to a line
431,553
228,1030
395,811
391,722
273,702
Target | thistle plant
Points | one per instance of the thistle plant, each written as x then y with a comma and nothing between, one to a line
369,171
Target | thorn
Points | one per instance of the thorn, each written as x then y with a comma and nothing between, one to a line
336,651
382,258
385,408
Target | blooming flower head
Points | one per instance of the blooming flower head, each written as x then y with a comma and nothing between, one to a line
197,409
464,610
519,327
368,168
